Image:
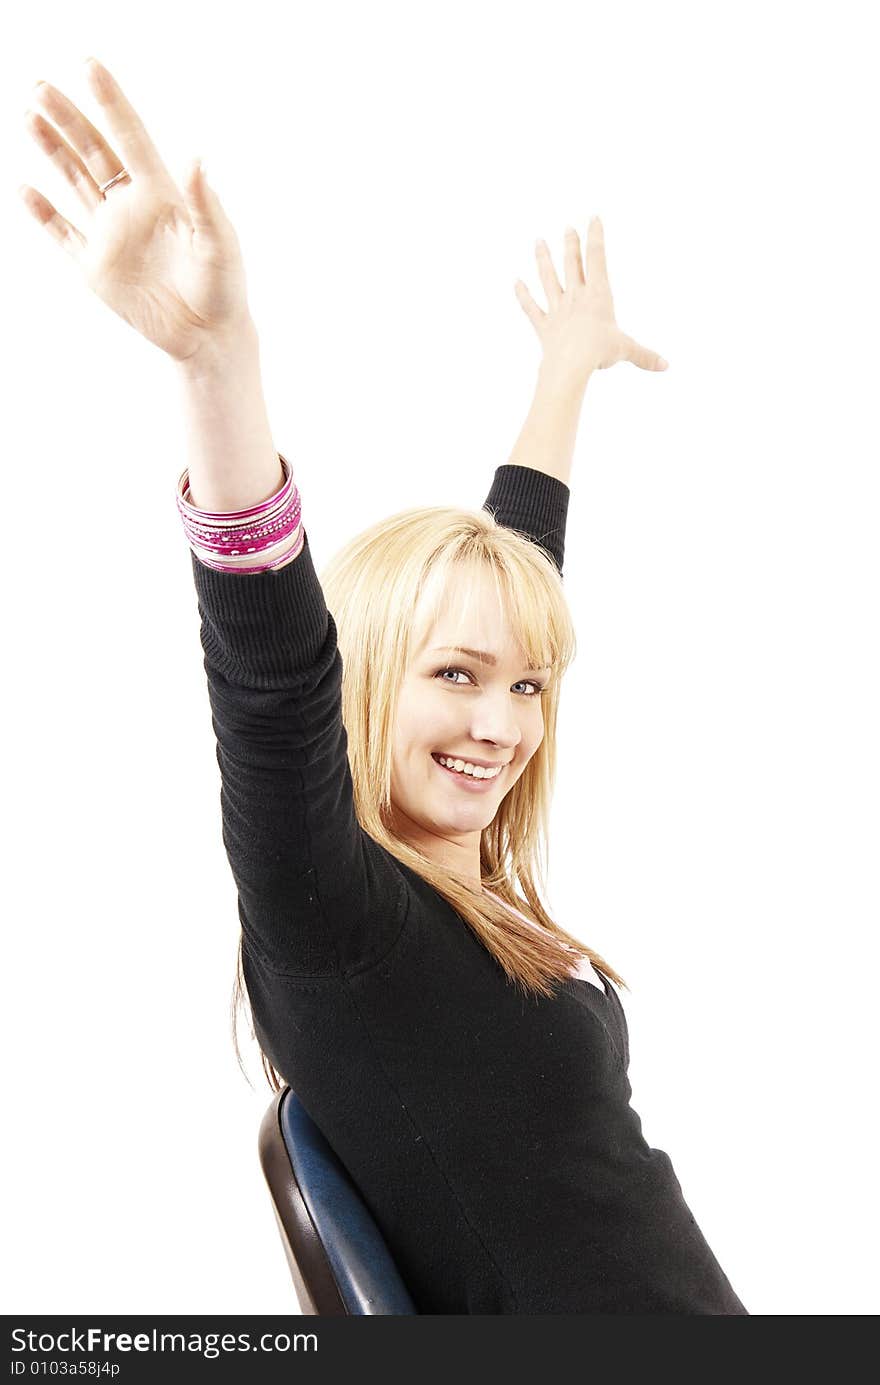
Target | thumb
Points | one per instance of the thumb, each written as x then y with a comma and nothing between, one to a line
202,202
642,357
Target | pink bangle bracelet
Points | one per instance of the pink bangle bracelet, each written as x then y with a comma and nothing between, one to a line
225,542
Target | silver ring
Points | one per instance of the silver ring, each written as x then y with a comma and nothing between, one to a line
123,173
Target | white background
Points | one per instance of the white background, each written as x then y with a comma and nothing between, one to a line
388,168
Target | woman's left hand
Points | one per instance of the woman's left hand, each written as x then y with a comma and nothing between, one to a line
579,333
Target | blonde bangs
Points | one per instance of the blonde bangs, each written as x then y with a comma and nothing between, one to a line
527,591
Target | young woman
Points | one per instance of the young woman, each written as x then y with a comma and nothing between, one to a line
386,773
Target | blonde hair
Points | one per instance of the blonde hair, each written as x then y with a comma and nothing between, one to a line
384,589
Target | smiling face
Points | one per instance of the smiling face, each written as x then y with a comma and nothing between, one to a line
467,709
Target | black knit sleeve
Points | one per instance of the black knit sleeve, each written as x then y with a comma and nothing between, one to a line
316,894
533,503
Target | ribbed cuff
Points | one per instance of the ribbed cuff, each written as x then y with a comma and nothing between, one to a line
526,496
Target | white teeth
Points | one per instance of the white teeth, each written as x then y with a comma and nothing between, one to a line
465,767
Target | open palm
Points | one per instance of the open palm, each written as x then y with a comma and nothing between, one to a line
579,331
166,260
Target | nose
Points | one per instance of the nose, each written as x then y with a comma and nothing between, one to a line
495,721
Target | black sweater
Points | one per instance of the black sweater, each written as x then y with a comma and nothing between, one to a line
491,1136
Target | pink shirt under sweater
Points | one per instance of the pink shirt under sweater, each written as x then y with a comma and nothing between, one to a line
585,970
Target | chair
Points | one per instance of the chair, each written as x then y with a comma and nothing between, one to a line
337,1256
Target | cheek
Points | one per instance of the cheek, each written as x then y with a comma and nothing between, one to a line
534,730
532,742
415,736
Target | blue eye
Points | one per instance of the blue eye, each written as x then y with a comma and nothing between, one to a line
527,683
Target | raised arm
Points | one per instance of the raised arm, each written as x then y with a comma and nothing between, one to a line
578,334
315,894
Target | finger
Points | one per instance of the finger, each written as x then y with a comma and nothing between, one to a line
141,154
574,270
138,154
535,314
642,357
549,281
595,255
72,241
90,146
65,159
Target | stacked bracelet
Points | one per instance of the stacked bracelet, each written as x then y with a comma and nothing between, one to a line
226,542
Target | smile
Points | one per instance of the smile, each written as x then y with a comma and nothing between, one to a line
475,779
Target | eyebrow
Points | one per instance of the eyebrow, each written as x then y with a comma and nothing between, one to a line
481,654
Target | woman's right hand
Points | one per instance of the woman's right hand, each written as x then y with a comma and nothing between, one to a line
166,260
